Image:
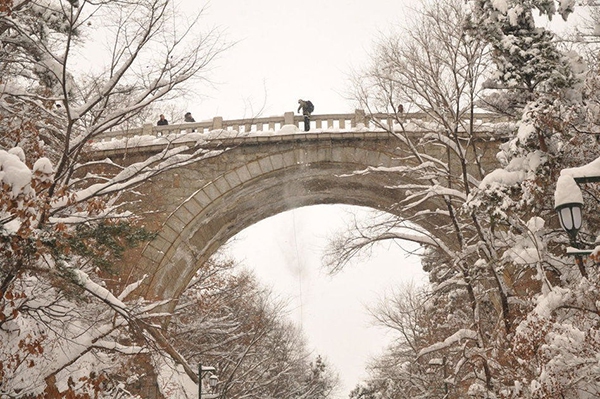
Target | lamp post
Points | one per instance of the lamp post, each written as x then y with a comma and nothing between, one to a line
213,380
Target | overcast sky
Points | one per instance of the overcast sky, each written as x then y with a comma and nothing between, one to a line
286,50
285,252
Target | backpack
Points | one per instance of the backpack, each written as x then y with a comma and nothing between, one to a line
310,107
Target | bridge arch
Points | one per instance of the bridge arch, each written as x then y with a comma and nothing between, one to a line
288,176
260,173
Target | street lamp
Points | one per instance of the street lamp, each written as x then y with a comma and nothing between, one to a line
568,202
213,380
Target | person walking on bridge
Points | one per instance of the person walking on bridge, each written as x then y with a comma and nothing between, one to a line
307,108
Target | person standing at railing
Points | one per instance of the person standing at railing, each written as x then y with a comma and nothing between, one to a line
189,118
162,121
307,108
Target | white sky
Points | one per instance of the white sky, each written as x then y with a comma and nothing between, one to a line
307,49
285,252
286,50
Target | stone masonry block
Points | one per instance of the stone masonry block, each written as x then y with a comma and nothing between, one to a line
338,154
192,206
146,266
232,179
373,158
300,154
254,168
311,156
169,234
323,154
222,184
289,158
278,162
153,254
159,244
176,223
243,173
202,198
360,155
265,164
184,214
212,191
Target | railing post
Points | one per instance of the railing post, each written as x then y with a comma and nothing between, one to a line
147,129
359,117
288,118
217,123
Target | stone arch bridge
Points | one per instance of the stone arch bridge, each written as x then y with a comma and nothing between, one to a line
269,166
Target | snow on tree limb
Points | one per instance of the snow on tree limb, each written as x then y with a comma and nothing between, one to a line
460,335
100,292
125,349
131,287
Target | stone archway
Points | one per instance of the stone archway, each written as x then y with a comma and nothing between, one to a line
290,177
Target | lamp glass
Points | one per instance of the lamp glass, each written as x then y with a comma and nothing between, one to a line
570,217
212,381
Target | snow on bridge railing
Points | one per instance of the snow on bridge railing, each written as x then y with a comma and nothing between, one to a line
275,123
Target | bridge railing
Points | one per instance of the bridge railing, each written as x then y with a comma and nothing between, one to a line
275,123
